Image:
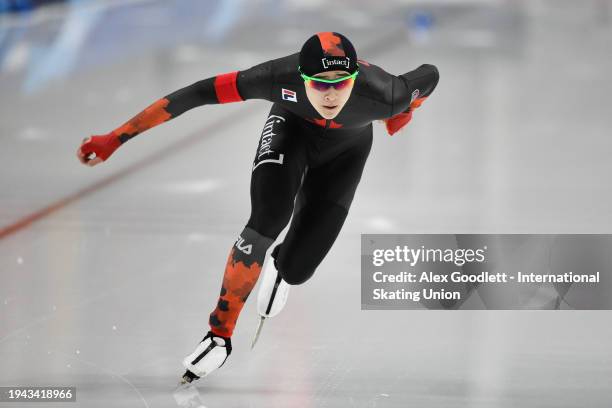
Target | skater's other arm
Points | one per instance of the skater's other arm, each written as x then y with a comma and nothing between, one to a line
254,83
410,90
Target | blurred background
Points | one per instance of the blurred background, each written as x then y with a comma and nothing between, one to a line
108,274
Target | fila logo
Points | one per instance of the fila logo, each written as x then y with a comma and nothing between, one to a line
289,95
415,95
240,244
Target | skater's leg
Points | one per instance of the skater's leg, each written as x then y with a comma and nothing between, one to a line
321,209
313,231
277,174
241,272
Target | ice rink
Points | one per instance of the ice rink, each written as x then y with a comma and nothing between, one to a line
108,274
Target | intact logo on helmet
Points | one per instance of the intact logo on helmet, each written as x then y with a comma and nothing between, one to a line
331,61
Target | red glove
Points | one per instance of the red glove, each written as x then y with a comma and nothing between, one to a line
101,146
395,123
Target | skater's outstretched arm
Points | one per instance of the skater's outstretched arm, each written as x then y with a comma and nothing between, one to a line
254,83
409,93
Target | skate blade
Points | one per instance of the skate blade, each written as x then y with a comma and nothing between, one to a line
258,331
188,378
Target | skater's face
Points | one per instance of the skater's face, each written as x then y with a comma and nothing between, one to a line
329,99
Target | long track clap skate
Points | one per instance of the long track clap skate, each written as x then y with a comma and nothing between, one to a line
272,296
211,353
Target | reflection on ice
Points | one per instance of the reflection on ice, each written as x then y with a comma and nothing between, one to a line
188,396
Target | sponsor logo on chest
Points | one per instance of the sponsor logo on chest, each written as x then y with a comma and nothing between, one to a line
289,95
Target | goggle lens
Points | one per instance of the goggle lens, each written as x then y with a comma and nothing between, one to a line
324,86
321,84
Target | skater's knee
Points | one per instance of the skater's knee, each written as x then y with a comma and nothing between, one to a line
269,220
295,280
294,274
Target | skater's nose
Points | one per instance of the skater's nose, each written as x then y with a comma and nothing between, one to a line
330,96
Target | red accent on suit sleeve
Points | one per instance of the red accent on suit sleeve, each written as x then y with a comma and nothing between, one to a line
226,89
396,123
417,102
153,115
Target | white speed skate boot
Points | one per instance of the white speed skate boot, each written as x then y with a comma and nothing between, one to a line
210,354
272,295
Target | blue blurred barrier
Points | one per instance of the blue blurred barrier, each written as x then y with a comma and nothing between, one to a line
16,6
